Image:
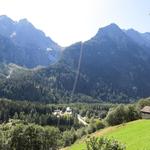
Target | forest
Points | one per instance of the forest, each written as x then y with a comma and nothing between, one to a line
31,125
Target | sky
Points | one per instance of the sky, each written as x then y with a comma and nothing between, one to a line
70,21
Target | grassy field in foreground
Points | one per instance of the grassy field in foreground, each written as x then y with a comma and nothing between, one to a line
135,135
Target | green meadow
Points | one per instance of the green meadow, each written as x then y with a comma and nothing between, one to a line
135,135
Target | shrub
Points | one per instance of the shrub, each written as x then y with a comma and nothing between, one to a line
122,114
69,138
133,113
99,124
28,137
117,116
143,102
90,129
104,144
80,132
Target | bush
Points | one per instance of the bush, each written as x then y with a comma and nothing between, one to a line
133,113
90,129
122,114
99,124
143,102
22,136
69,138
117,116
104,144
80,132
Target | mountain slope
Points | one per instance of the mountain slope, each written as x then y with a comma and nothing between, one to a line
114,67
113,64
35,48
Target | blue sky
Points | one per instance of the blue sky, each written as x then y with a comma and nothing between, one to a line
69,21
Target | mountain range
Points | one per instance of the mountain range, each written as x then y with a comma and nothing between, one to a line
21,43
114,65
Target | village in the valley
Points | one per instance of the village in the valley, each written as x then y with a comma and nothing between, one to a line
69,112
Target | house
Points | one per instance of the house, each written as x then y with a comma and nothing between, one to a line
145,112
57,112
68,111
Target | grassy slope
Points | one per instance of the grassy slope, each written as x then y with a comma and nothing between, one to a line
135,135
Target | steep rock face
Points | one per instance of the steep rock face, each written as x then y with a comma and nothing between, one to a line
142,39
9,53
36,48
